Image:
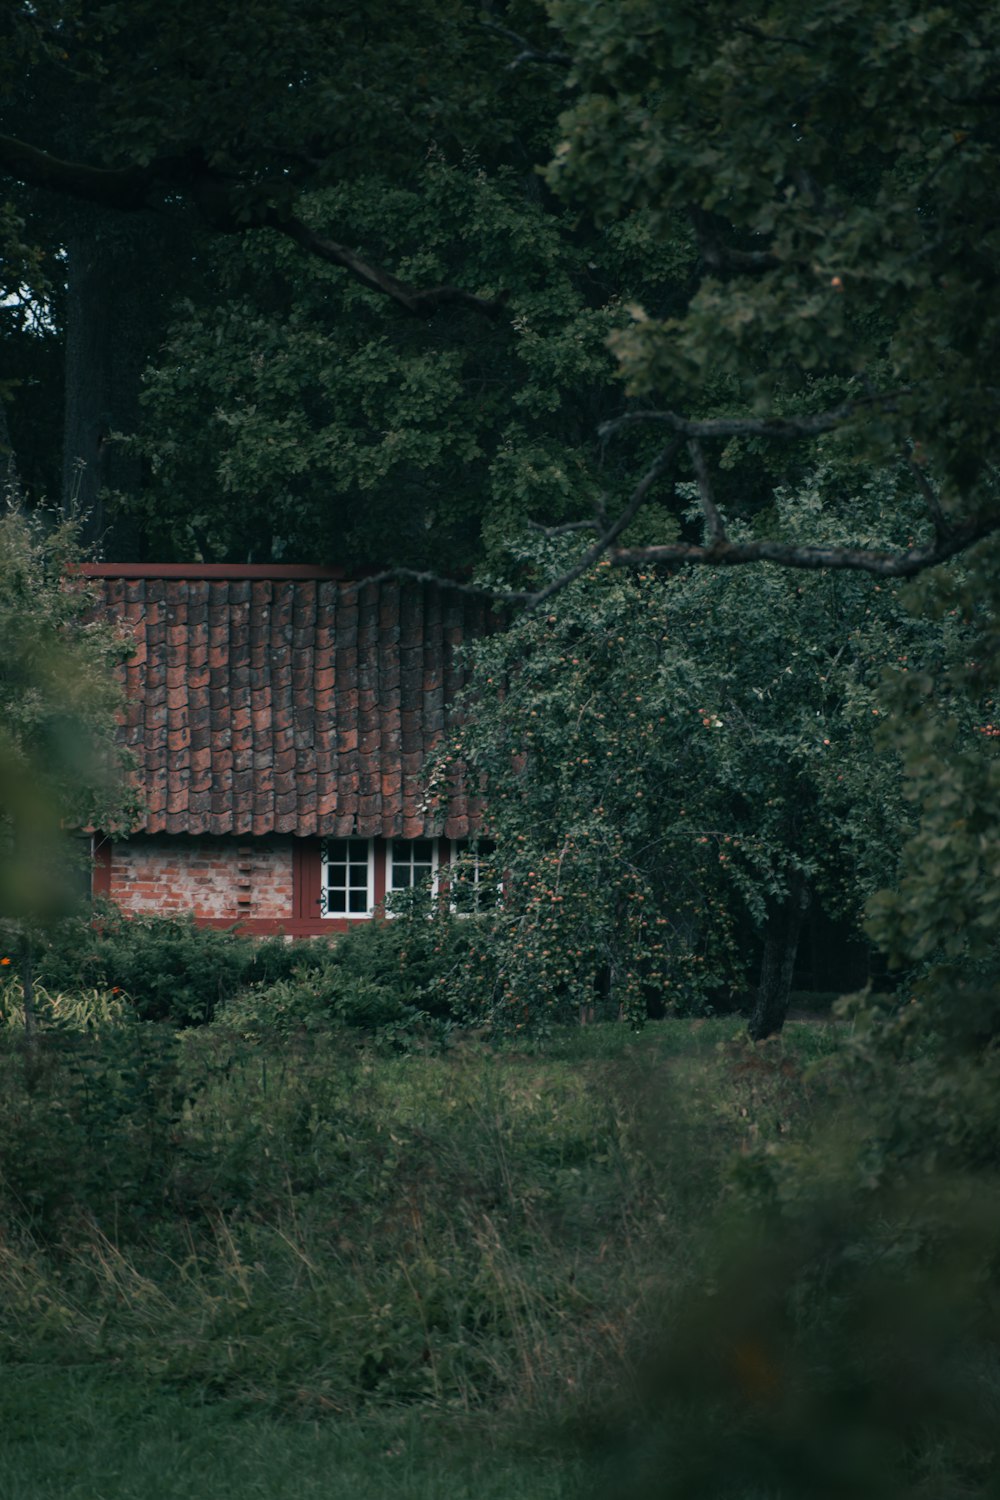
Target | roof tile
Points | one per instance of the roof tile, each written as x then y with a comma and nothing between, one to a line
293,705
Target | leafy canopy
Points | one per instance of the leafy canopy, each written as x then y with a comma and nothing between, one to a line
839,169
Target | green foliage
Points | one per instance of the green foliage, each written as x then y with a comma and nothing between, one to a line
318,1230
60,768
73,1434
333,425
327,95
845,1341
841,169
79,1010
169,969
393,979
654,785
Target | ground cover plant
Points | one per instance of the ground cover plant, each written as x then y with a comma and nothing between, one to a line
312,1232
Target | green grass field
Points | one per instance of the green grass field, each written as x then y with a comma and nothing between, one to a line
313,1270
77,1435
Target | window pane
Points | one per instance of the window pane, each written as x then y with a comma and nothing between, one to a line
345,888
414,862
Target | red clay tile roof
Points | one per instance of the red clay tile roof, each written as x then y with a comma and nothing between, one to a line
290,703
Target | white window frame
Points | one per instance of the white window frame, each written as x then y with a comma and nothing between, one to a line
390,863
461,849
350,916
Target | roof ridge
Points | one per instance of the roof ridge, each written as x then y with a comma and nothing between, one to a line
210,570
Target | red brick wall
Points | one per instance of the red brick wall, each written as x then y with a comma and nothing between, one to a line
220,880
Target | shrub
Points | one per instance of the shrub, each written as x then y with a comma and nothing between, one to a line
392,978
414,957
171,970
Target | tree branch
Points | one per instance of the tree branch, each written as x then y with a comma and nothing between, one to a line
903,564
748,29
122,188
566,528
217,199
528,52
719,256
658,467
420,301
417,575
937,515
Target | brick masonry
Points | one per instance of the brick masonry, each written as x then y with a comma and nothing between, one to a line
218,880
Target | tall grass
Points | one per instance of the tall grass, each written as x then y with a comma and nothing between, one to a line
315,1230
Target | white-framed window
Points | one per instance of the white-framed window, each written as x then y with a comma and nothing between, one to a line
412,863
347,882
474,884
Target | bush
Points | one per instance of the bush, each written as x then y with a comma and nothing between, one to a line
396,975
413,958
392,978
170,969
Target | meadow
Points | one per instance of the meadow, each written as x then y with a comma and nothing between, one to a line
317,1265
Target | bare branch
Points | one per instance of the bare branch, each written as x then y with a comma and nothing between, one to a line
718,255
566,527
420,301
749,29
217,199
655,471
903,564
122,188
416,575
716,529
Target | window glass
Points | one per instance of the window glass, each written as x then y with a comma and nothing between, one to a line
414,861
347,878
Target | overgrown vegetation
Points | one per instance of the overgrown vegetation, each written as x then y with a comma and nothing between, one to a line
384,977
792,256
307,1227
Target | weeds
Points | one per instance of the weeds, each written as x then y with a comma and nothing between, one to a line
315,1228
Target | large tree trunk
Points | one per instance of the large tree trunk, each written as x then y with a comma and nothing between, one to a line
781,944
107,323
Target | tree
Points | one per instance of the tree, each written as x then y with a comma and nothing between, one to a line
839,174
671,763
842,1338
287,414
271,404
61,770
131,141
838,166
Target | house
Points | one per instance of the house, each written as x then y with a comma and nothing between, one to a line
280,719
